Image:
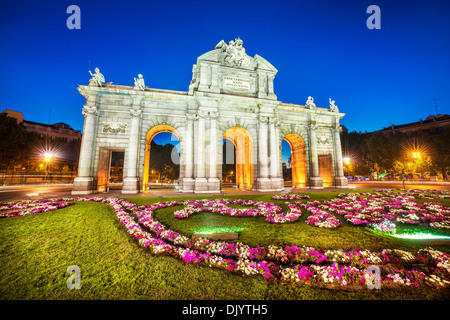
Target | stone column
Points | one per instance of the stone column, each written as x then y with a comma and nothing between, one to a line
84,182
263,146
263,181
273,168
340,179
188,181
213,181
277,183
131,179
262,85
201,184
316,181
270,93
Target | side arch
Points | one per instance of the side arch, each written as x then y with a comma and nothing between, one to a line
243,143
298,159
148,139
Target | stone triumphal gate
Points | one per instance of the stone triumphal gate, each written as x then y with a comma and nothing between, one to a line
231,96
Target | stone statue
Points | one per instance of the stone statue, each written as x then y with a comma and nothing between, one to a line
310,103
333,107
139,82
97,78
235,52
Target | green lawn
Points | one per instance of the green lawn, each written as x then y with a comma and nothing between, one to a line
35,251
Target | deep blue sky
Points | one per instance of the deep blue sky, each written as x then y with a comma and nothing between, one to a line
320,48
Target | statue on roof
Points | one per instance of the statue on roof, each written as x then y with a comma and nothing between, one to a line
333,107
97,78
234,52
139,83
310,103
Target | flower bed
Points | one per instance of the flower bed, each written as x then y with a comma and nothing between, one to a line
288,196
289,264
22,208
369,209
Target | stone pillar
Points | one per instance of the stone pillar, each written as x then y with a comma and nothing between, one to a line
263,181
262,85
84,182
213,181
277,183
340,180
273,166
131,179
201,184
315,181
263,145
270,91
188,181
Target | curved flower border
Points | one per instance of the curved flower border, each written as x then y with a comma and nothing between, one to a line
291,264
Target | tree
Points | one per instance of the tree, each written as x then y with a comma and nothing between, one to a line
383,149
439,151
13,140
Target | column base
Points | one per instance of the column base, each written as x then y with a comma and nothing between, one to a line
83,185
210,185
214,185
187,185
316,183
269,184
130,185
341,182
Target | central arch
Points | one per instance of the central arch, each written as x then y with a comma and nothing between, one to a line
148,139
243,144
298,159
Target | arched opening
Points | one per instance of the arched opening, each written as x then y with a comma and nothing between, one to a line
295,159
239,151
162,165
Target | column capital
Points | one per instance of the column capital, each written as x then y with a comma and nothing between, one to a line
336,128
202,114
262,119
214,115
191,116
135,111
313,126
87,110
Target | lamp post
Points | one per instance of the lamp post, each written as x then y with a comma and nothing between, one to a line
47,159
346,161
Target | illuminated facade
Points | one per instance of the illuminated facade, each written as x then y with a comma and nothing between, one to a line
231,96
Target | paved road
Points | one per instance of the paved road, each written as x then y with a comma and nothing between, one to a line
398,185
8,193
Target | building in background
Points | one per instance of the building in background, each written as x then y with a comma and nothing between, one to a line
430,126
52,131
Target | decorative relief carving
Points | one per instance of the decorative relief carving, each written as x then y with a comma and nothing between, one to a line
89,110
323,140
114,127
164,118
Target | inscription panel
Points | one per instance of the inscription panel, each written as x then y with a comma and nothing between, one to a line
237,83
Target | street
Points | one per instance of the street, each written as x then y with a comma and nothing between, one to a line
9,193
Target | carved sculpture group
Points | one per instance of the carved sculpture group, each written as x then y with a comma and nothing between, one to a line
99,80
